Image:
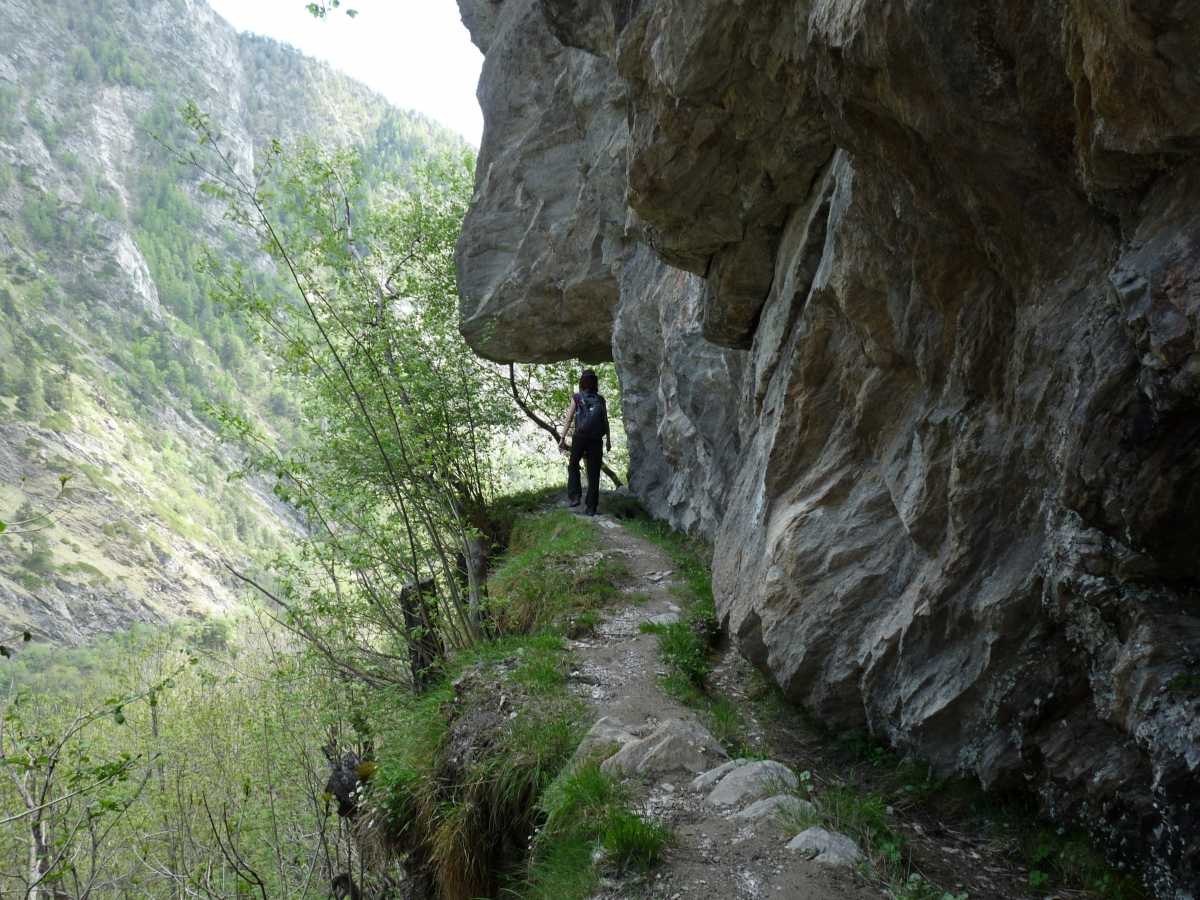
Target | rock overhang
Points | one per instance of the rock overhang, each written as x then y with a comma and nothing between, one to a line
900,307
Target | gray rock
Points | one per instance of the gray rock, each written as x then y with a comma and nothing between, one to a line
675,745
540,242
666,618
826,847
751,781
903,309
706,780
775,805
604,734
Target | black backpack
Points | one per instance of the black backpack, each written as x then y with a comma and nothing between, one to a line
591,416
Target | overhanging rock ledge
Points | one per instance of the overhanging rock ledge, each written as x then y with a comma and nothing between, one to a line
905,303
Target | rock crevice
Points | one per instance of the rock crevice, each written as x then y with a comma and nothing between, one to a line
904,301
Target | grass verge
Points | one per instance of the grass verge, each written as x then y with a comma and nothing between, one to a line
587,825
862,816
553,573
471,782
461,767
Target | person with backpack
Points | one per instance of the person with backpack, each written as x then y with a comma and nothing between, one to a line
590,413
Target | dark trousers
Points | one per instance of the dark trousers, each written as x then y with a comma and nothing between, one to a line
590,450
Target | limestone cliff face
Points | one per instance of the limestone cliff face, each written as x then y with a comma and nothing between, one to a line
905,301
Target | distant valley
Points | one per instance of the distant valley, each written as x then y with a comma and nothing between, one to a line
113,482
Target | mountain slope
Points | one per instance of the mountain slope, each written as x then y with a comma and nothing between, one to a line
111,351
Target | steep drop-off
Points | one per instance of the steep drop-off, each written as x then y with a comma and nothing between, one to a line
112,351
905,302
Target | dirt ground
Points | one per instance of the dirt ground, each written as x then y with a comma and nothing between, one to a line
711,855
714,855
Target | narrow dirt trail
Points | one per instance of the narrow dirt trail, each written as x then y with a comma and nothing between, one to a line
715,853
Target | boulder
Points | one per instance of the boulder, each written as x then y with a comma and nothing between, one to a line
604,735
751,781
826,847
676,745
705,780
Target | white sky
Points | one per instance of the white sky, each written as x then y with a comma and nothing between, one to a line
417,53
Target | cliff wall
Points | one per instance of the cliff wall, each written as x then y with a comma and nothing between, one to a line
905,302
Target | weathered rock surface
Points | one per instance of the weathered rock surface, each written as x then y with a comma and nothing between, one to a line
605,734
539,253
826,847
677,745
905,301
751,781
705,780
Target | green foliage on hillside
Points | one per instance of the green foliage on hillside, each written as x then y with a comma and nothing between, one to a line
200,755
146,761
109,332
302,303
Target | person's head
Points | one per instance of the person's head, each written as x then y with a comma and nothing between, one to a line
589,382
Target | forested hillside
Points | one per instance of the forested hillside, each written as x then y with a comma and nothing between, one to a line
231,367
114,356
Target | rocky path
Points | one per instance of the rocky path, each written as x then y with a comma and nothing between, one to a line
728,842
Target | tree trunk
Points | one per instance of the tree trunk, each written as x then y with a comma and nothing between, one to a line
425,648
472,567
39,857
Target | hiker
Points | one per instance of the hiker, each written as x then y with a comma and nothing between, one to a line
590,414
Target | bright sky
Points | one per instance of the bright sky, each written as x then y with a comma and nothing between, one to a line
417,53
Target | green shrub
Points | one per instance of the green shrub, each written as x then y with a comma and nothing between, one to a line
40,560
863,816
1062,859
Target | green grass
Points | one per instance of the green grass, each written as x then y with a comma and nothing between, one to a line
506,511
632,842
586,810
583,624
1186,684
542,668
85,569
551,572
683,650
1058,858
464,823
58,422
729,727
863,816
466,813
